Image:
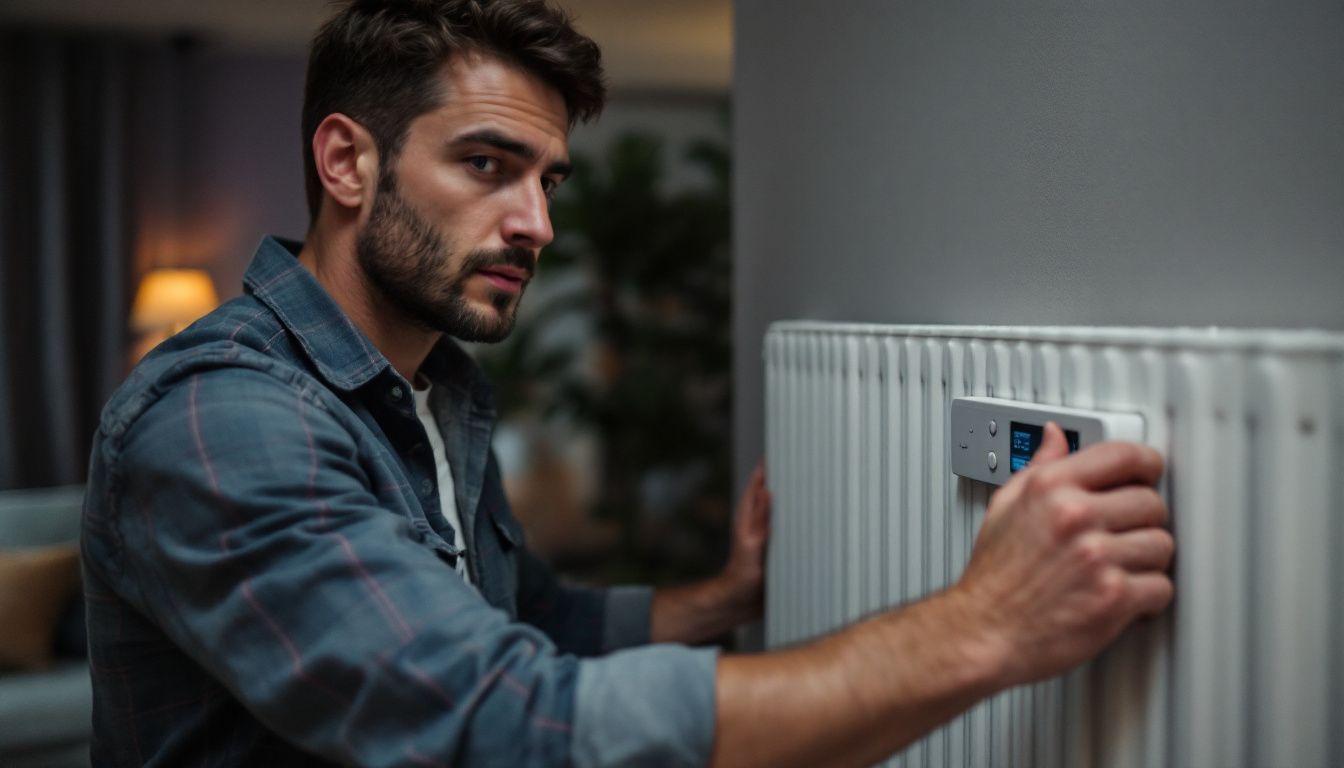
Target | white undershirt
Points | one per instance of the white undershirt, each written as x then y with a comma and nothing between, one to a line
447,499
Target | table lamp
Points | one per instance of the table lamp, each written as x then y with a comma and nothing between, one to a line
171,299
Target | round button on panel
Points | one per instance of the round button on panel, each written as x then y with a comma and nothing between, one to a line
993,427
993,461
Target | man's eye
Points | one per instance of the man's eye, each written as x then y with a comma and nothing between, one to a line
483,164
549,185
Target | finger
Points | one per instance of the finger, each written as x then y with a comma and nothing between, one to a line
753,517
1053,446
751,514
755,484
1110,464
763,507
1149,593
1149,549
762,503
1130,507
1007,494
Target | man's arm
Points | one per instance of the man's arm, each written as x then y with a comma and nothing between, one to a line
697,612
631,616
1072,550
244,525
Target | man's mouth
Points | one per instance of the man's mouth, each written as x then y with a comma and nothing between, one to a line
505,278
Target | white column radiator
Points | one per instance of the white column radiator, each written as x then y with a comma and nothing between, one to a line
1247,669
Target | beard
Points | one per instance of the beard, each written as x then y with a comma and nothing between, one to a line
410,264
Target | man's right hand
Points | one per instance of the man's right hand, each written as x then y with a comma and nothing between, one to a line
1072,550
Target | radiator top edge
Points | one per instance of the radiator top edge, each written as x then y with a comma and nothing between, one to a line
1289,341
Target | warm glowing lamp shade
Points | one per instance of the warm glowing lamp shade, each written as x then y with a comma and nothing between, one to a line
171,299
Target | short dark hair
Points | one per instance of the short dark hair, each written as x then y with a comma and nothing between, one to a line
376,61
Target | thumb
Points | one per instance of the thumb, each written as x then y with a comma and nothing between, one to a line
1053,445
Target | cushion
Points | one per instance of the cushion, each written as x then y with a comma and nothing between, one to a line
40,711
35,587
40,517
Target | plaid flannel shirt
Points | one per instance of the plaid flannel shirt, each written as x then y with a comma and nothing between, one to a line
269,580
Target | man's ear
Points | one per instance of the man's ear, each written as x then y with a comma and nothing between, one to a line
346,160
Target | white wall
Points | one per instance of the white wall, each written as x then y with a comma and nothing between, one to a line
1034,163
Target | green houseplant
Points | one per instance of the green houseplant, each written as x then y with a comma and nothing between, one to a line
644,271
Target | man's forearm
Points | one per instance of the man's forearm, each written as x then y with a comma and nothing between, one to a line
698,612
859,695
1071,551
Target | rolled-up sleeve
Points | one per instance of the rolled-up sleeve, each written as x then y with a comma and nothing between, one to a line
628,617
646,706
579,619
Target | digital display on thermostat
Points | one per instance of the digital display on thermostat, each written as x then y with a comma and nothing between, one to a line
1027,438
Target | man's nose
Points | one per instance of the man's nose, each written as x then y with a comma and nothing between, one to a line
528,222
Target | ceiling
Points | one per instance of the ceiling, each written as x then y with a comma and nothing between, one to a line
647,44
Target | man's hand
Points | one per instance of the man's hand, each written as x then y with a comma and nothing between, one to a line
1071,551
744,575
698,612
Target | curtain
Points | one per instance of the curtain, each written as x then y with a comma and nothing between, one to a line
65,239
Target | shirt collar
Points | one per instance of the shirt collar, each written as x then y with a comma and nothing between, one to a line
450,366
341,352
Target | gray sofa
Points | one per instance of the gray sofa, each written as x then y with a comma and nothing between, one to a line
46,716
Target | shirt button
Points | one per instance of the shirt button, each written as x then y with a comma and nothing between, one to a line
395,392
426,487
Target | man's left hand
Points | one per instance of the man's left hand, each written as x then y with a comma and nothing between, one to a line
701,611
744,575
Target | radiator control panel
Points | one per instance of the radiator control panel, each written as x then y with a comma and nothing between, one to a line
993,438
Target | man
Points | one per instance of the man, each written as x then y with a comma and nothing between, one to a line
296,544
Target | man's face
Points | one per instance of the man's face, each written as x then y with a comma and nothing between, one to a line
457,223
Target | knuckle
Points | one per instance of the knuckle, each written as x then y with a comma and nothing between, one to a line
1157,596
1166,545
1071,516
1166,592
1130,454
1153,501
1110,593
1140,453
1161,513
1155,461
1091,552
1149,459
1042,481
1146,508
1146,461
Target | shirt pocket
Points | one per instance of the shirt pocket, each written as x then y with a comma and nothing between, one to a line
507,526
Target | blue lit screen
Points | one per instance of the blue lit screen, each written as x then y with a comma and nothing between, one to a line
1027,438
